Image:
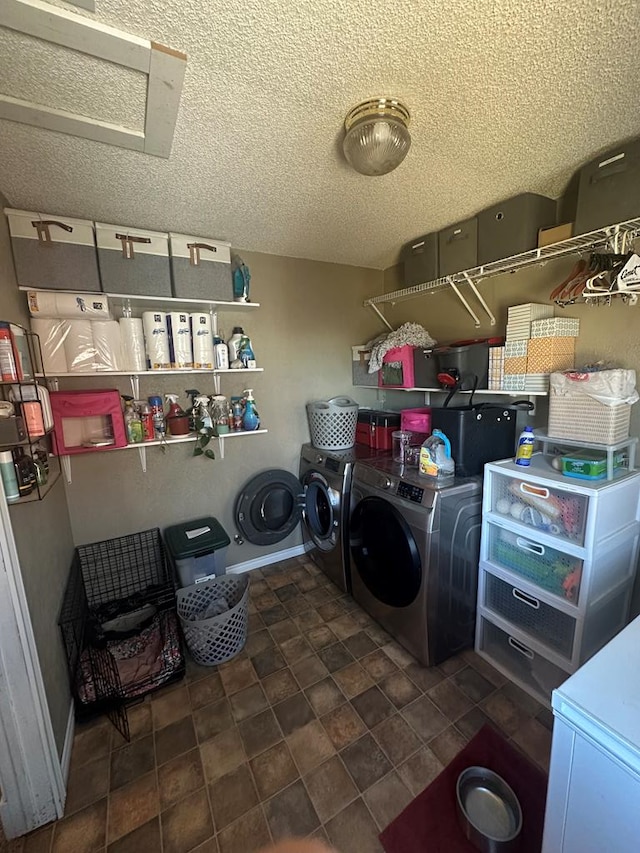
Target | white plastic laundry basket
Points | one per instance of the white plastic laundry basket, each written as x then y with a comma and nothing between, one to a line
332,423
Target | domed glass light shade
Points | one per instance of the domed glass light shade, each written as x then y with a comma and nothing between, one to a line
377,138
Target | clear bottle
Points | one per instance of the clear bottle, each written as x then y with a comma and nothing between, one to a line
132,422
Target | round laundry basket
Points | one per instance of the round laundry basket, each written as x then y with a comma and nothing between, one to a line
332,423
219,638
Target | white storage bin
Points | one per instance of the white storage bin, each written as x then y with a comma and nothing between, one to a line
133,261
201,268
53,252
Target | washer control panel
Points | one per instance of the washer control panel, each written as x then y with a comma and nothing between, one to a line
410,492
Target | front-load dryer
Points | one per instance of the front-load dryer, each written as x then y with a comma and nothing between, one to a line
414,557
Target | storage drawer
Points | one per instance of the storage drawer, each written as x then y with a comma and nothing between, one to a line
201,268
133,262
420,258
539,620
511,227
458,247
551,510
609,188
533,671
549,569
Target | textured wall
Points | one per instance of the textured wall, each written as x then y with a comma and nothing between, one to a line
43,539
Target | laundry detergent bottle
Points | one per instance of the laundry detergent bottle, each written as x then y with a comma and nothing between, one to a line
435,459
251,419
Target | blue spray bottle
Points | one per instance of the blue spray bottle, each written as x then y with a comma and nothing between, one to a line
251,419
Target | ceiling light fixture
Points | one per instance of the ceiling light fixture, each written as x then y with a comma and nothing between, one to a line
377,138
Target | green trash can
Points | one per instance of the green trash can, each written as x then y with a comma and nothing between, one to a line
198,550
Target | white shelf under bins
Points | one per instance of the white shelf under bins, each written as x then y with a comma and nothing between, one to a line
168,371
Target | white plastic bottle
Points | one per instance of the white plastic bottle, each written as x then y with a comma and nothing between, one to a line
234,343
220,354
524,450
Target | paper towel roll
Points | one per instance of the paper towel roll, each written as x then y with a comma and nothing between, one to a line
79,349
42,303
179,329
68,306
106,340
52,334
132,343
156,340
202,340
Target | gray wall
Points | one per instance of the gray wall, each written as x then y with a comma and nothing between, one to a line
43,538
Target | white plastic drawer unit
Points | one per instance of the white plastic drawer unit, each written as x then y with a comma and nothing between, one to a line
548,568
532,670
548,625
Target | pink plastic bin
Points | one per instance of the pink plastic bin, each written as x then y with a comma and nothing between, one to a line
417,421
405,356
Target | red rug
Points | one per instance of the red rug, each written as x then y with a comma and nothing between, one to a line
429,823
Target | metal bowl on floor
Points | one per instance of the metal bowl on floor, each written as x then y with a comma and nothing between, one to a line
488,810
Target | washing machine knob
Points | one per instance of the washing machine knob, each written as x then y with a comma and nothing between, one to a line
386,483
319,459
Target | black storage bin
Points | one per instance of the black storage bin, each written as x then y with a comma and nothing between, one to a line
119,604
425,368
458,247
420,258
511,227
478,434
609,188
467,361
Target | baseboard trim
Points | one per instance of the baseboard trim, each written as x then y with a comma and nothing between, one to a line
65,761
267,560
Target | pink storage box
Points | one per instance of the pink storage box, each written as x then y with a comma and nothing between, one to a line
405,374
417,421
86,421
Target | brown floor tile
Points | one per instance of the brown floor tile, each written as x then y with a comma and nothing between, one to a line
250,832
321,637
268,661
452,665
310,746
363,619
365,762
387,798
195,671
360,644
424,677
535,740
232,795
175,739
472,722
38,841
331,610
92,740
179,777
504,712
284,630
295,606
420,770
237,676
330,788
307,584
379,635
280,580
399,655
522,699
484,668
309,670
424,718
273,770
140,724
344,626
248,702
447,744
474,685
212,719
82,832
373,706
307,620
452,702
280,686
318,596
265,600
335,657
209,846
186,824
291,813
132,805
399,689
87,783
293,713
222,754
324,696
256,623
546,718
258,586
343,726
259,733
353,830
145,837
206,690
274,615
378,665
258,642
296,649
132,761
170,707
353,680
397,739
287,592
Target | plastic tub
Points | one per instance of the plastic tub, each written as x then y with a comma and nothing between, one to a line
198,549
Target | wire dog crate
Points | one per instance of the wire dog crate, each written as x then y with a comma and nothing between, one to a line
119,625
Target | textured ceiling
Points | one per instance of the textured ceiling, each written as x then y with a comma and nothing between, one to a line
505,97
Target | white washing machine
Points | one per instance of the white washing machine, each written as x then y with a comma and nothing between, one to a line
414,556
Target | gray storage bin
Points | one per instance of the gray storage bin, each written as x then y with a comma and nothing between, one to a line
219,638
53,252
458,247
425,368
609,188
511,227
420,258
360,375
201,268
132,261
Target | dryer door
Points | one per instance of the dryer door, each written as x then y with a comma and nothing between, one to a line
385,552
269,506
321,510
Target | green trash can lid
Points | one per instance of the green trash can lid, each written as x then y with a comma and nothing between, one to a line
194,538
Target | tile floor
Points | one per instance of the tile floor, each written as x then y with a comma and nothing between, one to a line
323,726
